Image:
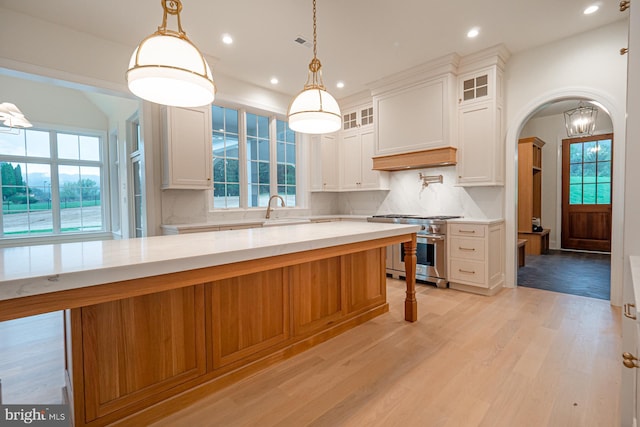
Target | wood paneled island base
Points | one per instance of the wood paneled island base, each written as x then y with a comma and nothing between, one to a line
148,347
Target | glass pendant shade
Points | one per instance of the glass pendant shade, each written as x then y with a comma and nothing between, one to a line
12,117
167,68
314,111
581,121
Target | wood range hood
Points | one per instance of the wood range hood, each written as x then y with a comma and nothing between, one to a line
445,156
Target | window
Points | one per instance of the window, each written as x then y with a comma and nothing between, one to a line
51,183
258,160
226,158
249,150
286,158
590,176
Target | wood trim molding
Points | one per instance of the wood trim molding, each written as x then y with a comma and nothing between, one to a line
445,156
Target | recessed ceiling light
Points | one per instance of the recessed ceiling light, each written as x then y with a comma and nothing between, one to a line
473,33
591,9
227,39
340,85
274,80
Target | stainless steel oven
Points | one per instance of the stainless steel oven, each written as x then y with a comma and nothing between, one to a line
431,251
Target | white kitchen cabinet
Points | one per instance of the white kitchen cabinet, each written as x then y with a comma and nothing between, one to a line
475,256
186,148
356,152
357,117
480,119
324,163
415,115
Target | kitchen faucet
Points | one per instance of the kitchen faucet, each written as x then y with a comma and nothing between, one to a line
269,208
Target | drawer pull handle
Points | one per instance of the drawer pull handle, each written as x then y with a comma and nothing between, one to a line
467,231
467,249
627,311
466,271
629,360
624,5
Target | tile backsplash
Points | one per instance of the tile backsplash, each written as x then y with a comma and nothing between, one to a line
406,195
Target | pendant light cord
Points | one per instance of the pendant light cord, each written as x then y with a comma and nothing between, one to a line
315,36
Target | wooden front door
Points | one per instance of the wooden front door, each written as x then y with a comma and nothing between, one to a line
587,165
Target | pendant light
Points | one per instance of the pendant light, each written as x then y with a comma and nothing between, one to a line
12,118
581,121
167,68
314,110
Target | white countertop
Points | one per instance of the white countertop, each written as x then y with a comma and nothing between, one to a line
33,270
483,221
258,222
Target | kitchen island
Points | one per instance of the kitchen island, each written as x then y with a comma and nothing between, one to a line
153,324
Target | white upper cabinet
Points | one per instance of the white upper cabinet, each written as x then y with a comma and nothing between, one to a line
343,161
361,116
186,148
356,152
480,119
324,163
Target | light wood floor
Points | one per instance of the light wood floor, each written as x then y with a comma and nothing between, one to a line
525,357
32,359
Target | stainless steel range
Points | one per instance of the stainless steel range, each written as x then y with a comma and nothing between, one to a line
431,251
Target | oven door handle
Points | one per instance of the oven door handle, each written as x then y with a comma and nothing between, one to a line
433,238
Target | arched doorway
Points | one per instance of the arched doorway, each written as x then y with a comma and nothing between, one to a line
567,188
516,125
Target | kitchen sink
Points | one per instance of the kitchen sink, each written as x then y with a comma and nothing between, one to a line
284,221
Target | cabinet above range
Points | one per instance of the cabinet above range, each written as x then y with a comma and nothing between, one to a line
414,110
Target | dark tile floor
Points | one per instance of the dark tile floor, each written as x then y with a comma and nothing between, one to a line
577,273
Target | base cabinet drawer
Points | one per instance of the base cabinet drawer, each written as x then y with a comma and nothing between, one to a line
471,249
468,271
466,230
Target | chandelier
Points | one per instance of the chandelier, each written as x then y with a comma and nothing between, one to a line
581,121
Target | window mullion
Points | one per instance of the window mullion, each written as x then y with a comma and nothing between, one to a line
273,155
243,158
55,184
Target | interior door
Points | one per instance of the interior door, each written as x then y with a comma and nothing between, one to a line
587,165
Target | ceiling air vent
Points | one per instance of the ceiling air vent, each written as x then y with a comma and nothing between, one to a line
302,40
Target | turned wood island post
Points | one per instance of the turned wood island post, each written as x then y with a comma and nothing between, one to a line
154,324
410,303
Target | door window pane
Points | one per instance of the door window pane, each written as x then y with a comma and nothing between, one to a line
576,153
604,194
604,150
576,174
575,194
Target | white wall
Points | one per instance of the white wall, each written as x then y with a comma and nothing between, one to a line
551,130
45,104
585,66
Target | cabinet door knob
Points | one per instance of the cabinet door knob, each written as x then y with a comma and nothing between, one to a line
627,311
629,360
624,5
624,50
